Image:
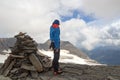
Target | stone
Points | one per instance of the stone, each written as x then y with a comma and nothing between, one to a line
6,72
46,62
23,75
28,67
29,48
111,78
14,70
29,51
16,56
34,74
23,62
5,65
27,42
4,78
36,63
29,78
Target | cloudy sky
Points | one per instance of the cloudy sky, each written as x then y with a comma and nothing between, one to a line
86,23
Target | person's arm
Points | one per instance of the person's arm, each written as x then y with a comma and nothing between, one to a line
51,35
52,46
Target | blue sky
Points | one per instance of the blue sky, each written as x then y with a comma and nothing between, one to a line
79,15
86,23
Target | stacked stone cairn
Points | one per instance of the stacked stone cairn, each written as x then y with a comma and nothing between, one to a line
25,61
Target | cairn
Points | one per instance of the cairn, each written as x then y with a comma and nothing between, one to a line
25,61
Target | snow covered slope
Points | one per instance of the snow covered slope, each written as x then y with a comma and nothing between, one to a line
66,57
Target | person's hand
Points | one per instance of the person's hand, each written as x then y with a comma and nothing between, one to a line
52,46
56,50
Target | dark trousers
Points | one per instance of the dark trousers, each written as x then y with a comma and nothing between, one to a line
55,63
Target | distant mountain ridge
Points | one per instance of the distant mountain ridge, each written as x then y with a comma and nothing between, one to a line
67,46
107,55
5,43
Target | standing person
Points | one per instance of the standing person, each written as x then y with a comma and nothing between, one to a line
55,45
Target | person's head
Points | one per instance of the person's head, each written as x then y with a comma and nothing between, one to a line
56,22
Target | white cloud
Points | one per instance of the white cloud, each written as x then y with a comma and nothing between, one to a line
35,18
31,16
105,9
71,30
79,33
82,34
108,35
92,37
74,4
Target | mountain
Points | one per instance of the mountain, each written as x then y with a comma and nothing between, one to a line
70,71
66,45
107,55
69,53
5,43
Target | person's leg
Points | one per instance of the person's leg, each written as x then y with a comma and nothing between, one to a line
56,60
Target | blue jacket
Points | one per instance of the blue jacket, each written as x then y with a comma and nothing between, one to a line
55,36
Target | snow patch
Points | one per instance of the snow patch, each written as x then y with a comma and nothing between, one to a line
66,57
7,51
3,57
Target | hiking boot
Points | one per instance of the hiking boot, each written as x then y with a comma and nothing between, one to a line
58,72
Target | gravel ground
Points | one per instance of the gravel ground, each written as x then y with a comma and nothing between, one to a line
80,72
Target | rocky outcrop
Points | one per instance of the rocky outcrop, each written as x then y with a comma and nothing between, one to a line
24,60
